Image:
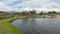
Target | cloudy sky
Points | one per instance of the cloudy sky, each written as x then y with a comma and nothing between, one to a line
19,5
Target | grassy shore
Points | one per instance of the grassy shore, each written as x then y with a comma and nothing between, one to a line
33,16
7,28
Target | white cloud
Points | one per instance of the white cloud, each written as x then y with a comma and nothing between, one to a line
38,5
45,5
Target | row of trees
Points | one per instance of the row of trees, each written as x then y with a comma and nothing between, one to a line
27,13
24,13
34,12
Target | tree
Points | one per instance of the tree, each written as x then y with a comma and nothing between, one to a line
54,12
41,13
24,13
49,12
32,12
1,11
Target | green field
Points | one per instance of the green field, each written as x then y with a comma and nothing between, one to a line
7,28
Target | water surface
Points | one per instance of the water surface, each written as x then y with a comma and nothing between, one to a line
38,25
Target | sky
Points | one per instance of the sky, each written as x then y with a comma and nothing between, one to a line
21,5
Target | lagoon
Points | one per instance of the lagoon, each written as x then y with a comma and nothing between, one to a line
38,25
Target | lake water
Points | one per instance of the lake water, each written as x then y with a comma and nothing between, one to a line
38,25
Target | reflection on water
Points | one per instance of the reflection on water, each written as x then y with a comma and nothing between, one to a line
38,25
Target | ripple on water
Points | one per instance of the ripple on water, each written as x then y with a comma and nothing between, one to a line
38,25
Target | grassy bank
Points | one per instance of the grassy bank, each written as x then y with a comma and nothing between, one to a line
33,16
7,28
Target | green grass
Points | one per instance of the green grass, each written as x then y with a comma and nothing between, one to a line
7,28
29,16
